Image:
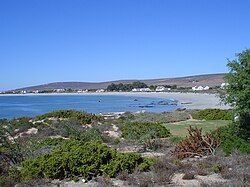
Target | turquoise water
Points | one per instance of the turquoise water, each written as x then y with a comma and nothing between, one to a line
17,106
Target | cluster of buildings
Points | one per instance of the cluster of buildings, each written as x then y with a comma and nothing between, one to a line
200,88
141,90
157,89
203,88
162,89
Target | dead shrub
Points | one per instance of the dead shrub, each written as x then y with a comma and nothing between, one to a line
201,172
196,144
188,176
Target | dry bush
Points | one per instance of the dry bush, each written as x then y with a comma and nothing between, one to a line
188,176
196,144
160,175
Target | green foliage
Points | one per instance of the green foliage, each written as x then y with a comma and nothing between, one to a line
9,148
165,117
91,134
216,168
230,139
126,163
126,87
84,117
81,159
10,178
21,121
175,139
213,114
238,90
144,131
48,142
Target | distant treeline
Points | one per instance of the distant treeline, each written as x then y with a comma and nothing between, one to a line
126,87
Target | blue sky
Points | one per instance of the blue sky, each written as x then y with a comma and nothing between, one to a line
44,41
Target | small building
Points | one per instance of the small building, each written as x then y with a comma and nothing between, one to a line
100,90
82,91
141,90
35,91
160,89
206,88
223,85
145,90
135,90
59,90
200,88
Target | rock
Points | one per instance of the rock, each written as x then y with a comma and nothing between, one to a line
180,109
163,103
132,149
152,154
83,180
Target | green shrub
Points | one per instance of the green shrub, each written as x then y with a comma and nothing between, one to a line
48,142
83,116
217,168
144,131
175,139
126,163
232,140
81,159
21,122
91,134
213,114
10,178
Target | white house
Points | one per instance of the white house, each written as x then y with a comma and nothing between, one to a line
23,92
135,90
100,90
200,88
206,88
223,85
82,91
59,90
145,90
160,89
141,90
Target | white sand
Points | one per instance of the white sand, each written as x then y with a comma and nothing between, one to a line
189,100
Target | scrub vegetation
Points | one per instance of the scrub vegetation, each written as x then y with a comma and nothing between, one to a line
210,147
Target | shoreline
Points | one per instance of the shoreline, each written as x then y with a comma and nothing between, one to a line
185,100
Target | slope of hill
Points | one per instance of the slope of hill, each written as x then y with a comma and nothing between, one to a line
203,80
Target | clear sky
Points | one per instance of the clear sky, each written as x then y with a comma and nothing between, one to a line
44,41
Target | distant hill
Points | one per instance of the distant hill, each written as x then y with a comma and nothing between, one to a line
203,80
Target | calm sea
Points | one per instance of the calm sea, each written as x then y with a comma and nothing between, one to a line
17,106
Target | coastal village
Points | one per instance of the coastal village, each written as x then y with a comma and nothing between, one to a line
159,88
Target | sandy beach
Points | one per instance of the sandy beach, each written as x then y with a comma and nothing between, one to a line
186,100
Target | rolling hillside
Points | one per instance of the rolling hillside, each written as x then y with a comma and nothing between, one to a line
208,79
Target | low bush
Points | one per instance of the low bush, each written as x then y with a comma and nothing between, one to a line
91,134
81,159
83,116
175,139
48,142
144,131
165,117
213,114
231,139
